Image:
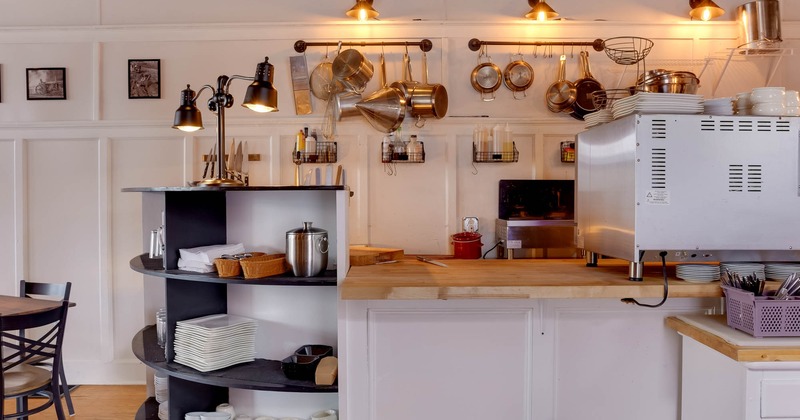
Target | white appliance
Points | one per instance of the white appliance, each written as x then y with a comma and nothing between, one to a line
701,187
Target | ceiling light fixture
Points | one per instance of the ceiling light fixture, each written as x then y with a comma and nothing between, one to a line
261,96
540,11
705,9
363,11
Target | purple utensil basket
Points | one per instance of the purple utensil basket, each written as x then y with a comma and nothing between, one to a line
762,316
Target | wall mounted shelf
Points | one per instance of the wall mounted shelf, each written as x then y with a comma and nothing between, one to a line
739,54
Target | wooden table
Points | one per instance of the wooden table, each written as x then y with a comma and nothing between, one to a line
16,306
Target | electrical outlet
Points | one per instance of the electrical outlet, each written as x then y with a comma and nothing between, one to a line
470,224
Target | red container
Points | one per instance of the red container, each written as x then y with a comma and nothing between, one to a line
467,245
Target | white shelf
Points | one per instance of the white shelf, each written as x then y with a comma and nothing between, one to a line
745,54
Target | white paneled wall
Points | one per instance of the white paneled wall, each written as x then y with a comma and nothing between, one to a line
63,215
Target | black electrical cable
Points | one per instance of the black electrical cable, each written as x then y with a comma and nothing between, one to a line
490,249
663,255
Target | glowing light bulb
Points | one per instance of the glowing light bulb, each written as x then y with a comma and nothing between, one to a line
189,128
706,14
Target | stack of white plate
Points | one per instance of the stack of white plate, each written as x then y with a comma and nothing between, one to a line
743,104
780,271
161,384
697,273
215,341
163,411
598,117
657,103
718,106
744,269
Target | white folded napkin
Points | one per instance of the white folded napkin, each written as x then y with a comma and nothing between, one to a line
196,266
207,254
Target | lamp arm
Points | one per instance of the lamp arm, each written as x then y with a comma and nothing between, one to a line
237,77
204,87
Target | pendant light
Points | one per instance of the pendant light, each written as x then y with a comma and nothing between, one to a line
705,9
363,11
540,11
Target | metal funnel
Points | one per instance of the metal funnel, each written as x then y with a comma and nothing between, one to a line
385,109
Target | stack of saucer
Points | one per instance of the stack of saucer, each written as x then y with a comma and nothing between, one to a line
215,341
743,105
163,411
161,384
601,116
792,103
718,106
697,273
780,271
744,269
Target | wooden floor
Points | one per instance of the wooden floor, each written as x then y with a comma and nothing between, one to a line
94,402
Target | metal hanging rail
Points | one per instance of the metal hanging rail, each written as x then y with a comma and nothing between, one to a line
475,44
425,44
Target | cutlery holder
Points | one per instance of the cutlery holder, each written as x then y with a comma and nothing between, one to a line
762,316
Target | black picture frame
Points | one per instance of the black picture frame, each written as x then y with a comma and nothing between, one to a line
46,83
144,78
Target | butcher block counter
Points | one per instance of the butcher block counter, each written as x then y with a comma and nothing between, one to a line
513,279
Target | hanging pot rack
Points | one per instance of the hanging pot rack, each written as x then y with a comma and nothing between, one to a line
424,44
475,44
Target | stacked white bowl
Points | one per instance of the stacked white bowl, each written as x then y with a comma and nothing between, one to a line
791,101
768,101
742,103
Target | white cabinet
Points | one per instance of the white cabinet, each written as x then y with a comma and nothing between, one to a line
512,359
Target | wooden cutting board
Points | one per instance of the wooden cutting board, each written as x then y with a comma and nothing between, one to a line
367,255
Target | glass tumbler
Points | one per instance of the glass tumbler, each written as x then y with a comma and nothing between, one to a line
161,327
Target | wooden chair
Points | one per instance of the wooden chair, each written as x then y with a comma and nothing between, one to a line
21,379
57,291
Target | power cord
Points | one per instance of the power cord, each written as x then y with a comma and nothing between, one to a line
490,249
663,255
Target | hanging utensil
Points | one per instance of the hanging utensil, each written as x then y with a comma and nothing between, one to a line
353,69
385,109
561,94
584,88
300,84
428,100
486,77
208,162
323,84
518,76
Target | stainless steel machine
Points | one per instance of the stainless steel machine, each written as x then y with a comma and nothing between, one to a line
536,215
702,188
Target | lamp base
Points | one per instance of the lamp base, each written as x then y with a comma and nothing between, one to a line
220,182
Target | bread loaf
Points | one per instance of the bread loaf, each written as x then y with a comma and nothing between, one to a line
327,370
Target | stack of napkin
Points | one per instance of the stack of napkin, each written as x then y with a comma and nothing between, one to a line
201,259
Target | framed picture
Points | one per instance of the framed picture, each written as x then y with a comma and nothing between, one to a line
144,79
47,83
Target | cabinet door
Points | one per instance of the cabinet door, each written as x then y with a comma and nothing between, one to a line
481,370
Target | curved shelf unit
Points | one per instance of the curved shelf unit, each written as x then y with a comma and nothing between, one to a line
148,410
259,375
153,267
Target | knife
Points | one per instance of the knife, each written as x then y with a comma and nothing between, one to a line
237,163
429,261
209,158
229,163
245,165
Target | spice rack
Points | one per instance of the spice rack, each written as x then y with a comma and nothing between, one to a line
325,152
405,157
491,156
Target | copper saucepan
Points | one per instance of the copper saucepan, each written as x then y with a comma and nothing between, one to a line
561,94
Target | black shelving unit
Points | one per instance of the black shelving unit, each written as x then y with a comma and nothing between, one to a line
196,216
259,375
148,410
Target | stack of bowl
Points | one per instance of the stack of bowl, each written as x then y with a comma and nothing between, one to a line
791,102
768,101
718,106
742,103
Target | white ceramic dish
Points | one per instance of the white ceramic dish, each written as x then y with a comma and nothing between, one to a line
792,98
768,108
767,95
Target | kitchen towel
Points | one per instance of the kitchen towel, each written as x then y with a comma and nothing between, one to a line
207,254
196,266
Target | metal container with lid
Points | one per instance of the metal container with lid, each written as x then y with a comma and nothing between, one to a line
307,250
760,24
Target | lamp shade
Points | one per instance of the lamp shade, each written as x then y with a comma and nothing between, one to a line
540,11
362,11
261,96
187,117
705,9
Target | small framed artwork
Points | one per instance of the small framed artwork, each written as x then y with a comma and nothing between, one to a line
46,83
144,79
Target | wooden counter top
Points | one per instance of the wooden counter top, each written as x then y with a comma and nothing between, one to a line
714,332
514,279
